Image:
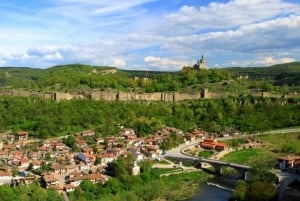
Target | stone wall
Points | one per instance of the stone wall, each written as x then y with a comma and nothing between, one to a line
129,96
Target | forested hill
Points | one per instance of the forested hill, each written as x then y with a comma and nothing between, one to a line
79,77
288,73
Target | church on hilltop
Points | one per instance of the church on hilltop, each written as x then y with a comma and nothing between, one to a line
201,64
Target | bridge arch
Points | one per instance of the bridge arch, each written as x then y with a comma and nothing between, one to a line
241,170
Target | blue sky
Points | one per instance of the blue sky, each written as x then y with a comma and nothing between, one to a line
149,34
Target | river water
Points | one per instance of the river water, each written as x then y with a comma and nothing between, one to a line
211,193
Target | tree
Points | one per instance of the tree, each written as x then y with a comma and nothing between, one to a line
70,141
239,191
261,191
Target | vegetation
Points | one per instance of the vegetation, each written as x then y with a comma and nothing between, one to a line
28,193
45,118
205,154
256,191
79,77
146,187
262,159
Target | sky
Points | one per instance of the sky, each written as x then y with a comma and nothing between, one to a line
161,35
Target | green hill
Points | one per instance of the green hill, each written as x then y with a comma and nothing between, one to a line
79,77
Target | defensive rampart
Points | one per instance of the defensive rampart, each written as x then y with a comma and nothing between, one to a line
130,96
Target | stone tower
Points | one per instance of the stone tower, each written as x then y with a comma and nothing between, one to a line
201,64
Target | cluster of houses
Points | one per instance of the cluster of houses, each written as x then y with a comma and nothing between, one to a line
59,166
212,144
63,168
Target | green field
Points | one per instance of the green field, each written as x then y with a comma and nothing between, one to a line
250,156
266,155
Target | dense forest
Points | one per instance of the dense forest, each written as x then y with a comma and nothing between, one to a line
45,118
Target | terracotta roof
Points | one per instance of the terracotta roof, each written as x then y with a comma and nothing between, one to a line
220,144
50,178
4,174
57,166
69,186
289,157
211,145
22,133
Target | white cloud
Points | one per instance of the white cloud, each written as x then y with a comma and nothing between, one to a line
53,57
105,32
269,60
164,63
231,14
119,62
2,62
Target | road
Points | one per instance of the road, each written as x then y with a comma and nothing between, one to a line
177,152
285,178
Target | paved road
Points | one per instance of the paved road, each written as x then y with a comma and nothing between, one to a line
285,178
65,195
177,152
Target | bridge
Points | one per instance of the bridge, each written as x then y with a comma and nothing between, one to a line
216,164
241,169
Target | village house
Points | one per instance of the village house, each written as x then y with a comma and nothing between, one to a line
5,175
22,135
96,178
36,164
79,142
10,138
60,146
106,158
75,180
50,180
87,150
190,137
100,140
58,169
87,133
24,163
69,188
289,162
212,144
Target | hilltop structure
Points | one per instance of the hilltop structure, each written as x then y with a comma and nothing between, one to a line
201,64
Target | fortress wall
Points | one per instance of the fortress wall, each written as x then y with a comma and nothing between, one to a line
63,96
49,96
156,96
108,96
185,96
168,97
21,93
78,96
150,96
96,95
130,96
124,96
6,93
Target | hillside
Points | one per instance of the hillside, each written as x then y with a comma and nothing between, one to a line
280,74
79,77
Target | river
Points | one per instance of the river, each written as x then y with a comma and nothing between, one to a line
210,193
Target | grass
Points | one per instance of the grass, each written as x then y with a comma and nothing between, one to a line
163,162
266,155
164,170
205,154
277,142
242,156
